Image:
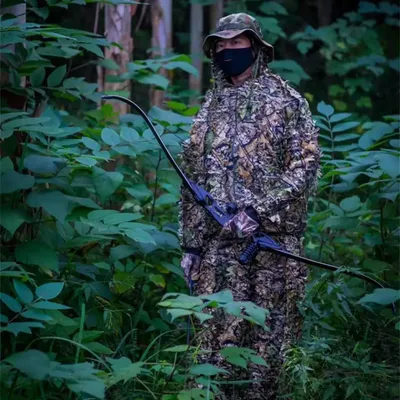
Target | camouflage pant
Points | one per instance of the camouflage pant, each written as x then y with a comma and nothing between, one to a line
272,282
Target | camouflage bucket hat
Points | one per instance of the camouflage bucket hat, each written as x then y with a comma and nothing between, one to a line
234,25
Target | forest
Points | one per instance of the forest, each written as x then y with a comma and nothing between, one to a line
93,300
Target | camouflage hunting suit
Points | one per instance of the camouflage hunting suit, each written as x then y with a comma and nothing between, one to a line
254,144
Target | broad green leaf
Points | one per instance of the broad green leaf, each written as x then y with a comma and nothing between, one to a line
325,109
32,363
3,319
98,348
115,219
390,164
53,202
43,164
122,251
140,192
273,8
166,199
110,137
184,66
36,314
381,296
22,327
376,266
88,336
99,215
177,313
154,79
157,280
207,370
90,162
106,183
339,117
91,144
124,281
10,302
93,48
12,219
50,290
6,165
48,305
129,134
37,77
56,77
37,253
139,235
23,291
94,387
350,204
126,373
345,126
12,181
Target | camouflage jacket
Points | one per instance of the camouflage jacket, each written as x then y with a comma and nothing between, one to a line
255,145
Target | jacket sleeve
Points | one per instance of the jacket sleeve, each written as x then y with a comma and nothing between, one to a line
192,217
299,175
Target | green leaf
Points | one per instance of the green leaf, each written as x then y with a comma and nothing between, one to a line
184,66
23,291
177,313
88,336
140,192
48,305
122,251
106,183
325,109
37,77
390,164
93,48
125,373
110,137
272,8
350,204
119,218
3,318
56,77
10,302
99,215
179,349
53,202
207,370
154,79
12,219
339,117
345,126
49,291
158,280
12,181
37,253
129,134
22,327
6,165
109,64
43,164
32,363
94,387
139,235
91,144
36,314
90,162
98,348
381,296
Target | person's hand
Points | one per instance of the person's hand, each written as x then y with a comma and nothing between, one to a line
191,267
243,224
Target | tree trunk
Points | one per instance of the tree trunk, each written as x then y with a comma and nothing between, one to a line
118,30
325,12
216,12
161,21
196,51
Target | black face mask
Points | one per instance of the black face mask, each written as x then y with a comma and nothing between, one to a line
234,62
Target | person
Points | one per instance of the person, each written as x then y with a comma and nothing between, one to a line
253,143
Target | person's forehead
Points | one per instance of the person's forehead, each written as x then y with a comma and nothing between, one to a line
240,36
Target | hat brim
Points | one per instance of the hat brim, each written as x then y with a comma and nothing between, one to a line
229,34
